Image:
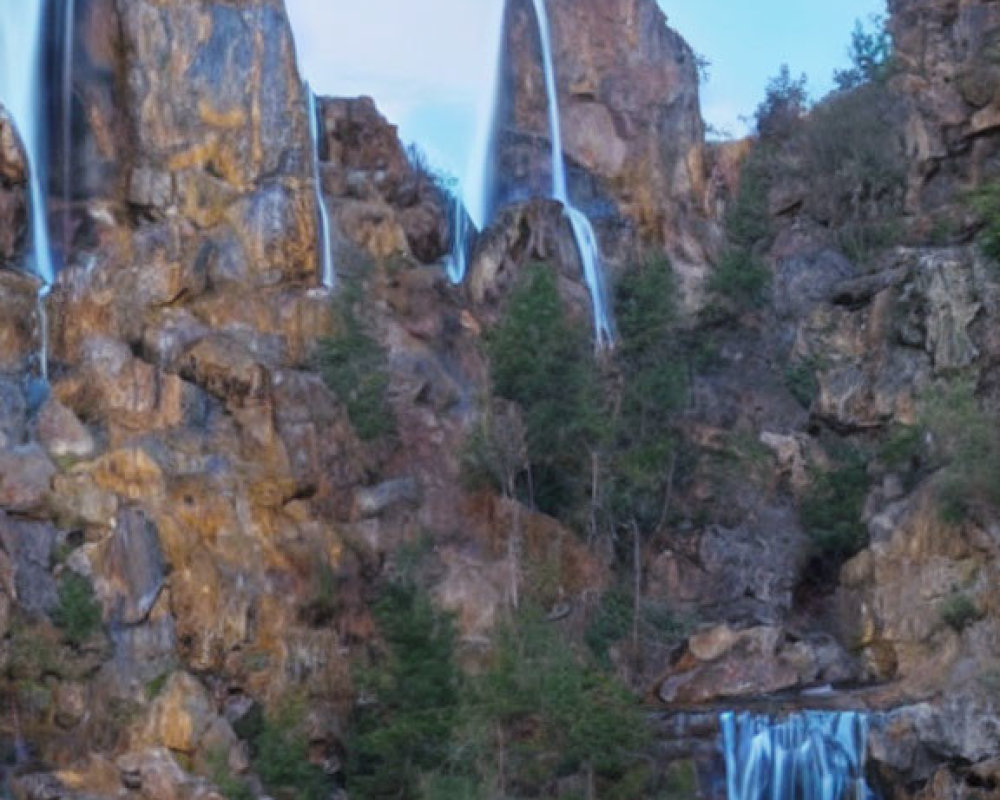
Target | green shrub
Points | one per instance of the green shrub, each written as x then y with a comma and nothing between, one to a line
850,151
903,447
495,453
78,614
958,611
231,787
986,203
968,442
609,624
612,622
831,510
355,367
451,787
325,599
741,279
154,688
281,757
748,217
680,782
801,381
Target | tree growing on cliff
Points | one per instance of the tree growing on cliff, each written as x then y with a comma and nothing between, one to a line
653,388
870,53
354,366
785,101
541,360
539,712
404,731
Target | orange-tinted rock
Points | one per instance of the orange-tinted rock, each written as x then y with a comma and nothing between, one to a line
19,331
131,473
893,594
179,716
77,500
385,204
223,367
285,324
129,395
947,71
373,227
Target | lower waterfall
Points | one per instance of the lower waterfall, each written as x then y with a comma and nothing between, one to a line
807,755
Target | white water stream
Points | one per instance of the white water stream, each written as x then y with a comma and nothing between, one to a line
327,272
809,755
22,41
583,231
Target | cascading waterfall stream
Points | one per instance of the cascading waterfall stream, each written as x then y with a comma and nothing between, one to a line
327,273
809,755
461,237
583,231
69,33
22,42
22,39
472,201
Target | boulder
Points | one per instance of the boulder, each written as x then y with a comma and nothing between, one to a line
129,567
725,663
178,718
29,547
62,434
25,478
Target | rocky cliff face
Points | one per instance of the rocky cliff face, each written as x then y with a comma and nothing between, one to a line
192,465
179,463
949,66
631,121
189,462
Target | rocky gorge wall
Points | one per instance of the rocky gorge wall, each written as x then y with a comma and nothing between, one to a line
189,462
192,464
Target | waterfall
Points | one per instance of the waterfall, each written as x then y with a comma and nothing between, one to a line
477,188
69,33
462,233
22,39
583,231
472,202
327,274
810,755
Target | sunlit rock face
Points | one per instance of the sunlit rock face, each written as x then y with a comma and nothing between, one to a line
632,127
948,68
181,441
220,131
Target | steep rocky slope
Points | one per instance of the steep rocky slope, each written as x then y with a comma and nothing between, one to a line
236,521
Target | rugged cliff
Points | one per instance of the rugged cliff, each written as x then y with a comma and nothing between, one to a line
631,119
203,509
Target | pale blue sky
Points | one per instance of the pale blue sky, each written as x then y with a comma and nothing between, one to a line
426,62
